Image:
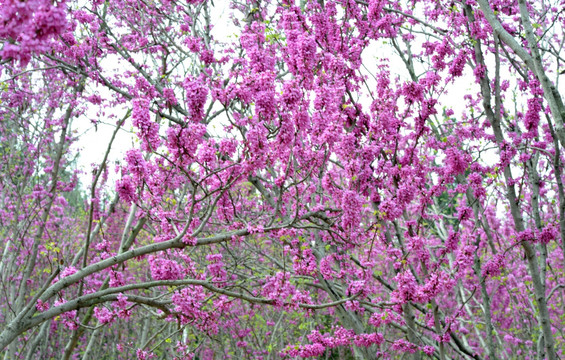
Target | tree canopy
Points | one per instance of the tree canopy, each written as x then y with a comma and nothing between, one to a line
333,179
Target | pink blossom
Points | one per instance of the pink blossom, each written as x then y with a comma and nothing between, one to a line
41,306
103,315
163,269
148,130
493,266
196,94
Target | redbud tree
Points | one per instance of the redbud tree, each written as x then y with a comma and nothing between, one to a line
334,179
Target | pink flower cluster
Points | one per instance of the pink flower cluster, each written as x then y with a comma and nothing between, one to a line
341,337
196,95
148,130
163,269
409,290
26,27
216,267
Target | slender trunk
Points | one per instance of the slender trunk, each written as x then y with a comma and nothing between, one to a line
30,263
127,240
558,168
90,345
485,297
41,337
145,332
529,250
411,325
